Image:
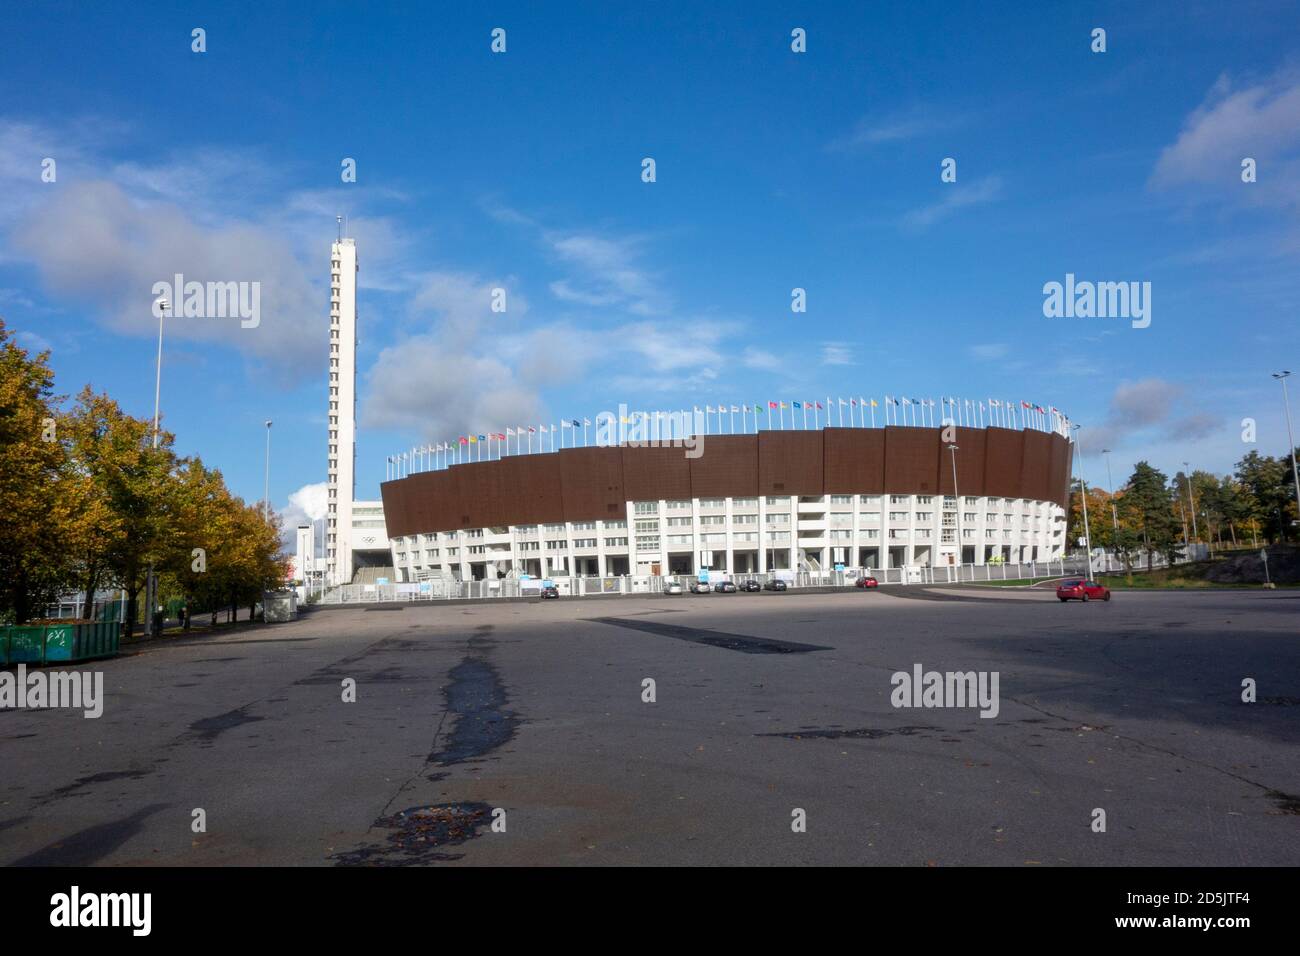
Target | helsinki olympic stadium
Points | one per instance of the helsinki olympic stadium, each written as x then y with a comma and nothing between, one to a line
762,502
671,493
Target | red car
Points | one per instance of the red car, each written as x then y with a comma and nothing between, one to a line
867,582
1081,590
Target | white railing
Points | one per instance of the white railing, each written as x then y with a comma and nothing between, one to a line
442,589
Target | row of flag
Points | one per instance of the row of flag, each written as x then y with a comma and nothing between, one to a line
721,420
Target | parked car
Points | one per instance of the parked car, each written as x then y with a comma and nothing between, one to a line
672,587
701,587
725,587
751,586
1080,590
776,584
551,592
866,582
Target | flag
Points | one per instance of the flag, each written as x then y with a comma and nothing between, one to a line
464,440
853,402
819,404
473,440
509,430
758,408
784,405
586,421
797,405
771,404
874,403
577,424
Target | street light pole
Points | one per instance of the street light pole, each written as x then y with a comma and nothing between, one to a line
1087,534
161,306
150,584
957,498
1114,512
266,488
1290,441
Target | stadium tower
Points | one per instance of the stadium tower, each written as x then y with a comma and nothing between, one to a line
357,549
341,476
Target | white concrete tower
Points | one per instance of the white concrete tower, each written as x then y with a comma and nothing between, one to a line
342,410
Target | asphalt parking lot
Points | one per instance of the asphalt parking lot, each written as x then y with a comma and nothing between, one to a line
764,705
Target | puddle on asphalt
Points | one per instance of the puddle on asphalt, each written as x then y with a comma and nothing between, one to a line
477,699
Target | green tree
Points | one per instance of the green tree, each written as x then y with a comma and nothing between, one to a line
1266,502
1148,508
34,507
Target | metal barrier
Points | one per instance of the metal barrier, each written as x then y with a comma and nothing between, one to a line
441,589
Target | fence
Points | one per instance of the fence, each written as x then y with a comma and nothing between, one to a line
444,590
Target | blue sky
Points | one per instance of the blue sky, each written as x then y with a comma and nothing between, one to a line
775,170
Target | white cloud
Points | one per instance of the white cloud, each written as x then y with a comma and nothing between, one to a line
421,386
94,243
957,196
463,302
990,351
912,123
1260,121
1153,414
607,272
32,342
308,504
836,353
761,360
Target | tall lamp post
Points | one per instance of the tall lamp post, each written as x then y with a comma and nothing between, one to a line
952,449
266,488
1087,534
1290,441
1114,512
151,585
1191,500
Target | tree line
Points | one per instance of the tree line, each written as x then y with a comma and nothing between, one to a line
88,503
1152,513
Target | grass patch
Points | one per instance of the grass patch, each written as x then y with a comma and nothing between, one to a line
1018,582
1188,577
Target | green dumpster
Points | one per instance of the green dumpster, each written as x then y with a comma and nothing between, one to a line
25,644
58,643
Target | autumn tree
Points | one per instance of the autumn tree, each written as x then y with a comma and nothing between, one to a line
34,512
